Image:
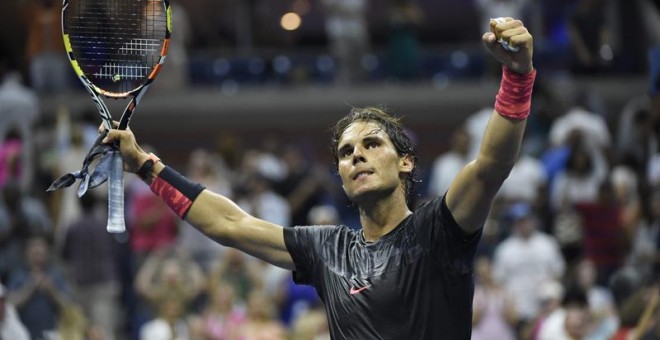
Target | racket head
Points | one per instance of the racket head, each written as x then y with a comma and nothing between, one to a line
116,47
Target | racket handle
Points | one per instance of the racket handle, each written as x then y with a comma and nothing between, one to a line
116,196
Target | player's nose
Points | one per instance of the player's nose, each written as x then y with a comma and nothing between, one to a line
358,155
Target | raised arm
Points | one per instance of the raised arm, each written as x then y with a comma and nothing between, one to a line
470,195
212,214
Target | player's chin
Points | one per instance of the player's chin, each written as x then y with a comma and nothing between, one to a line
367,194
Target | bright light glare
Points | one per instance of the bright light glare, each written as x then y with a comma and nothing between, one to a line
290,21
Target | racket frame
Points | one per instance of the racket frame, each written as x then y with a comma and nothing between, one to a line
116,222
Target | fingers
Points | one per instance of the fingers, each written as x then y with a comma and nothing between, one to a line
102,127
116,135
507,29
489,38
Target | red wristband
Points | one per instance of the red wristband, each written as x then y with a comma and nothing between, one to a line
515,96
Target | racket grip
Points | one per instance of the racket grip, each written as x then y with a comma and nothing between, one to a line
116,196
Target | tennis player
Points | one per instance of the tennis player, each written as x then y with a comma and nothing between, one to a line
405,274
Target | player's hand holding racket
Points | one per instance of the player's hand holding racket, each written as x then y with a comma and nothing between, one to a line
116,48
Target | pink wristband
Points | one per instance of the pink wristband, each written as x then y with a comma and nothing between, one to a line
515,96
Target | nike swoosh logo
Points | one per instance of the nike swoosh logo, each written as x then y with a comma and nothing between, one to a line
354,291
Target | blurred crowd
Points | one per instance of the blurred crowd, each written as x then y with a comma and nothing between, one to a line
570,250
228,43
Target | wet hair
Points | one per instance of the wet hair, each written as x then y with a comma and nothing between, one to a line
394,130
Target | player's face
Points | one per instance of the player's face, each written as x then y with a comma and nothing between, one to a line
368,162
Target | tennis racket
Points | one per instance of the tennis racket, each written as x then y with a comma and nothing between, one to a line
116,48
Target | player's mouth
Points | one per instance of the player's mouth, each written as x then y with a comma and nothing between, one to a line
362,174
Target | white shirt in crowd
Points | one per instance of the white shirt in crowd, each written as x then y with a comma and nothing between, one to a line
521,266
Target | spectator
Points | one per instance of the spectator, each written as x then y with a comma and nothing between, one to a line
625,184
404,57
526,259
643,255
638,314
262,202
346,28
171,321
580,181
91,254
580,118
169,280
571,321
261,321
151,225
19,110
222,315
636,140
204,168
604,239
70,153
589,37
305,185
237,270
12,167
475,125
447,165
526,183
49,68
550,295
21,216
38,291
494,315
600,299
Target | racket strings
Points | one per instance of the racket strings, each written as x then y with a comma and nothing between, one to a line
116,43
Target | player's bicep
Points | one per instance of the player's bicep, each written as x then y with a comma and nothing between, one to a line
261,239
222,220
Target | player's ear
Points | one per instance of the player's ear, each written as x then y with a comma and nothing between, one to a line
406,163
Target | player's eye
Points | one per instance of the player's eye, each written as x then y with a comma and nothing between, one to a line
345,152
